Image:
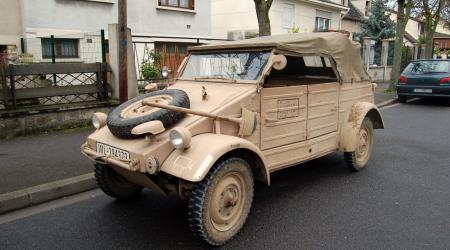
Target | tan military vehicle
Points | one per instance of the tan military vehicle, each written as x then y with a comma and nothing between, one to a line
236,112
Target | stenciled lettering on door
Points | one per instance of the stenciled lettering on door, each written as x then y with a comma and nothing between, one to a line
288,108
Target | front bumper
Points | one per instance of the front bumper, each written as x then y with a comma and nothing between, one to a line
132,165
411,90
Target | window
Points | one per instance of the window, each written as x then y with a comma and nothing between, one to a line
421,28
64,48
367,9
428,67
184,4
323,20
288,15
311,69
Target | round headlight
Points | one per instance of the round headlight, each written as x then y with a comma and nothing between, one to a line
180,138
98,120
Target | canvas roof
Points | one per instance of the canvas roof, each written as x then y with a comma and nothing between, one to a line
336,45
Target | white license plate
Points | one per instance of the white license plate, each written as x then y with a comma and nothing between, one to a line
112,151
423,90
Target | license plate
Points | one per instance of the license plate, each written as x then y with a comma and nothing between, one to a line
112,151
423,90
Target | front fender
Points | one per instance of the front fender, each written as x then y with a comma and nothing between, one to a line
193,164
348,136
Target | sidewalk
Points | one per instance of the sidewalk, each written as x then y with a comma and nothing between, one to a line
382,97
37,159
37,168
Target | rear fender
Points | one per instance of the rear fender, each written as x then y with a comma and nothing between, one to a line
348,136
205,150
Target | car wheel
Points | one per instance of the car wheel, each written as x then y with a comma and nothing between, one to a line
402,98
114,184
358,159
220,203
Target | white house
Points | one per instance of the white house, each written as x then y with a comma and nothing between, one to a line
10,29
236,19
170,25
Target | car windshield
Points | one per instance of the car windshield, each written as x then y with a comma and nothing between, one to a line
226,65
427,67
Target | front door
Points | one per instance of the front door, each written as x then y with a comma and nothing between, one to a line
283,115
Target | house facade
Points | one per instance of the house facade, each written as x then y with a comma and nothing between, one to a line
170,25
236,19
10,29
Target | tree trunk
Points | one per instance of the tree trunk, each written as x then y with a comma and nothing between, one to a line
402,20
262,8
429,43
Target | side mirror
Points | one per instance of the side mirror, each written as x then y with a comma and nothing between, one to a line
279,62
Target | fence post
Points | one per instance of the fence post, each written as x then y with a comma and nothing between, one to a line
103,66
4,86
13,85
22,45
52,41
102,37
366,51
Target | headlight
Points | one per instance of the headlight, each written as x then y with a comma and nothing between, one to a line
98,120
180,138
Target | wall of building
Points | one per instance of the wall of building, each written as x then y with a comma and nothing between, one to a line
10,22
83,19
351,26
240,16
144,16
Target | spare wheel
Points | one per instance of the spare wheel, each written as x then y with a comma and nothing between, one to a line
132,113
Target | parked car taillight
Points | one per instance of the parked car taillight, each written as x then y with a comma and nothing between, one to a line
445,80
402,80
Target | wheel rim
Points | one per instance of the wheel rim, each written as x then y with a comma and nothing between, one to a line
137,109
364,146
228,201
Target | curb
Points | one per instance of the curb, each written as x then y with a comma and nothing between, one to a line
387,103
46,192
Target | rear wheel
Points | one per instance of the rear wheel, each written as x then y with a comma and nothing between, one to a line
358,159
114,184
220,203
402,98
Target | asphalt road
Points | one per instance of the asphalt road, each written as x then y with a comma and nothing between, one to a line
401,201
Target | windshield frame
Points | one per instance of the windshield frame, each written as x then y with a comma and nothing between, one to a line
258,80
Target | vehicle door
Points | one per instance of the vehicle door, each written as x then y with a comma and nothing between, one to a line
283,115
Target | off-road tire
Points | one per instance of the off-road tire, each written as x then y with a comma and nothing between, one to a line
351,158
402,98
121,127
200,220
113,184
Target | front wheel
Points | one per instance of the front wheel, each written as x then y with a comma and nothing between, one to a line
358,159
220,203
114,184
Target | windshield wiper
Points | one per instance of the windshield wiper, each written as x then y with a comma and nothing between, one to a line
214,78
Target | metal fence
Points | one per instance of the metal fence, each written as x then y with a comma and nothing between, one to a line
49,84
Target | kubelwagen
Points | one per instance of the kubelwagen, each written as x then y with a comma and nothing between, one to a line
236,112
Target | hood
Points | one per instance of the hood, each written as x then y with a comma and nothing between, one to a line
218,95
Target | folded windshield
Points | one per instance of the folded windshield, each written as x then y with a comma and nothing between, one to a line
226,65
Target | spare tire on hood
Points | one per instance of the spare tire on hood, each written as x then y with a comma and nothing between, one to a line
128,115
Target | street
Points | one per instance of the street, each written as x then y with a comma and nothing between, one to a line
401,201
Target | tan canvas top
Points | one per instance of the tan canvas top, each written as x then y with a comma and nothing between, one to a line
336,45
